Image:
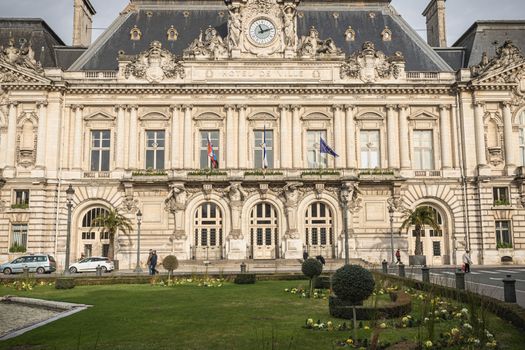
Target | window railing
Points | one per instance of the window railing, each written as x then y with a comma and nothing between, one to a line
97,174
100,75
427,173
422,75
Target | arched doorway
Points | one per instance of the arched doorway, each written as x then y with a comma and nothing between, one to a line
92,240
208,235
319,230
264,232
435,243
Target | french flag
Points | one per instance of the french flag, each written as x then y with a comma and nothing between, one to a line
211,155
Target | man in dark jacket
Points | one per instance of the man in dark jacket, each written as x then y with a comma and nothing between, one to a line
153,262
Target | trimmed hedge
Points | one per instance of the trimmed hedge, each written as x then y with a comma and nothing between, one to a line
245,278
512,313
342,309
353,283
65,283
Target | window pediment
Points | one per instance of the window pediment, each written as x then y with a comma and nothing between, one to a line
368,115
422,115
316,116
153,116
262,116
99,116
208,116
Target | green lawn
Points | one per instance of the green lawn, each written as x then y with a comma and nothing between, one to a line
191,317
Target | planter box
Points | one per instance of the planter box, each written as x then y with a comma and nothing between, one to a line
417,260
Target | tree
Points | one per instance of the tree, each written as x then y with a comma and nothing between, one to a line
112,221
312,268
420,217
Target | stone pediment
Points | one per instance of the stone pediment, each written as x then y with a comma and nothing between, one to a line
507,67
262,116
11,74
208,116
422,115
154,116
99,117
153,65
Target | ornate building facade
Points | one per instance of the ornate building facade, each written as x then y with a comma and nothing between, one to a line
128,122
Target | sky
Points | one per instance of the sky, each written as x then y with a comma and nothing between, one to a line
461,14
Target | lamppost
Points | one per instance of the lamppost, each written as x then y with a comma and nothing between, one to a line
391,213
344,203
70,192
138,269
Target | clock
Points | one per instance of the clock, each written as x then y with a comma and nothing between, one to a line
262,31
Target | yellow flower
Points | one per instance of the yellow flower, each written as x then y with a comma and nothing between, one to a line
382,325
366,328
349,341
428,344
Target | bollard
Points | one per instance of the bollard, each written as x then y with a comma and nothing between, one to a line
385,266
460,280
25,271
509,289
99,270
401,270
243,267
426,274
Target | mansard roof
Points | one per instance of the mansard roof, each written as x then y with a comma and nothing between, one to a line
368,18
35,31
487,36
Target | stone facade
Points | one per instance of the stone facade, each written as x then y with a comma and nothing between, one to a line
404,139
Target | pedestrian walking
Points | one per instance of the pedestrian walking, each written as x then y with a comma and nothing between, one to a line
305,255
466,261
398,257
154,263
148,262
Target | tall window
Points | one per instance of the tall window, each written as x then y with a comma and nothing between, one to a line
258,155
155,149
503,234
501,195
100,150
316,159
319,230
370,149
213,136
423,150
522,138
19,235
264,231
22,198
208,241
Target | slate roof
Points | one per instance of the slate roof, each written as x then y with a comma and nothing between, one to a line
43,39
154,18
454,56
487,36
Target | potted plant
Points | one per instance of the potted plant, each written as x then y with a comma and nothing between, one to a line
419,218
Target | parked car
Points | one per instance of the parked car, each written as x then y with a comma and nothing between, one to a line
90,265
39,263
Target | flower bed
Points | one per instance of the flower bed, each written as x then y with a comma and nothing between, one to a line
401,306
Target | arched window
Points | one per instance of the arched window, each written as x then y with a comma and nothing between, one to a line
208,232
319,230
522,137
94,241
264,233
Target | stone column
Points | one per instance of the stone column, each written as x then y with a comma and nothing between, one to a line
455,135
507,135
339,136
446,147
350,138
77,138
175,134
133,137
479,128
285,138
296,137
393,160
42,133
188,142
243,137
121,133
404,151
230,138
11,134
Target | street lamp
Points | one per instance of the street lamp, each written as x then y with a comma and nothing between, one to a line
344,203
391,213
138,269
70,192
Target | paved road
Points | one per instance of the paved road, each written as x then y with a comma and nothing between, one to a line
483,280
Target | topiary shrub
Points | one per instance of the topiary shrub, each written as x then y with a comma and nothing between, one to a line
170,263
312,268
64,283
353,284
245,278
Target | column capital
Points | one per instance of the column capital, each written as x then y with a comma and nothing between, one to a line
283,107
12,103
337,107
173,107
296,107
77,107
443,107
187,107
402,107
479,104
349,107
506,104
390,107
120,107
135,107
41,104
239,107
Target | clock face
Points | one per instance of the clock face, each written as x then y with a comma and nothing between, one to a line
262,31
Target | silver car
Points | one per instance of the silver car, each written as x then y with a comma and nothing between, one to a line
39,263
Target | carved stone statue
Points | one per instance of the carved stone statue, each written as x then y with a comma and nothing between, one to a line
211,46
312,46
290,35
507,55
154,64
291,194
21,57
176,199
234,27
235,193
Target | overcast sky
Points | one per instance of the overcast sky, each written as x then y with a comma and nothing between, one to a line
460,13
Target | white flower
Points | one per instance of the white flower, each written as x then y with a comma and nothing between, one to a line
467,326
428,344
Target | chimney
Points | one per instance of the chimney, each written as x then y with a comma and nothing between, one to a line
82,22
436,30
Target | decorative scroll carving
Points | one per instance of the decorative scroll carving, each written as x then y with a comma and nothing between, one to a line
312,46
370,65
207,46
507,56
23,57
155,65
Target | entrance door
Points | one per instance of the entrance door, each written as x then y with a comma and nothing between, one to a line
208,233
319,231
264,236
434,244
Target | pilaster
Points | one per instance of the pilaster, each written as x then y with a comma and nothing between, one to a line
133,137
285,138
392,142
446,147
188,141
77,138
243,137
351,159
121,135
41,138
11,135
339,136
479,129
404,151
231,155
296,137
508,138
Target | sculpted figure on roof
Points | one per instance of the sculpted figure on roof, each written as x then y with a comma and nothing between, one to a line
312,46
21,57
210,46
507,55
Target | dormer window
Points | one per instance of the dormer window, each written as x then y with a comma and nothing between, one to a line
135,33
350,34
173,34
386,34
